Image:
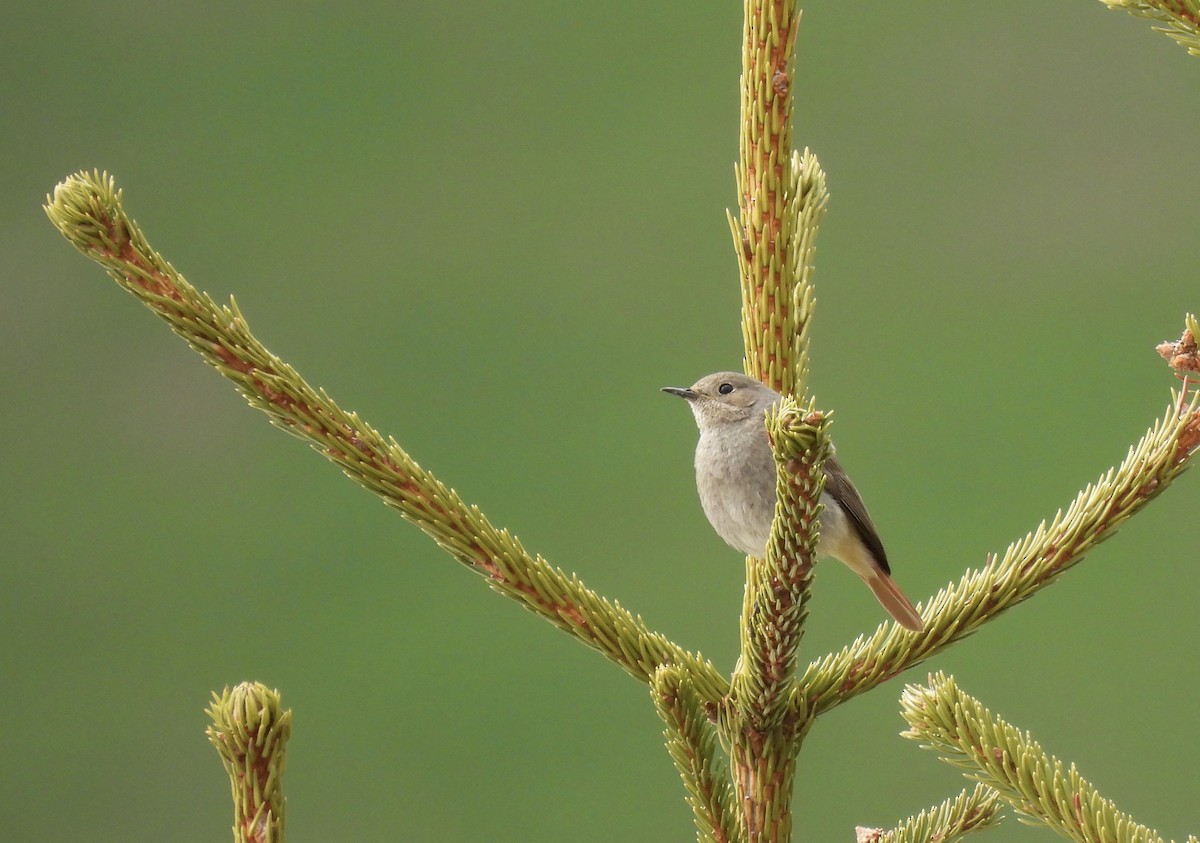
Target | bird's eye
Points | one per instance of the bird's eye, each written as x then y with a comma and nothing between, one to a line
725,388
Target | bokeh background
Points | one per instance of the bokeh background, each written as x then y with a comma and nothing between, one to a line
496,230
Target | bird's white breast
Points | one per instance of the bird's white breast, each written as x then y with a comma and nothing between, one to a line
737,493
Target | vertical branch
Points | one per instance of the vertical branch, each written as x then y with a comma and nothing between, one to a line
777,592
781,197
764,172
764,770
807,203
764,726
250,732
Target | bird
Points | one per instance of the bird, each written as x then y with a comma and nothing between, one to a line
736,475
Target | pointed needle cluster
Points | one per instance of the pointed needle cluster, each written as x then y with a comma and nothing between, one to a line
968,736
974,810
1180,19
250,731
777,588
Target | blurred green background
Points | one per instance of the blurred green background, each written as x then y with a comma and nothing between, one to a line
496,230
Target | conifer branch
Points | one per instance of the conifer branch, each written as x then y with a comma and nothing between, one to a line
1181,18
975,810
777,288
996,753
250,732
781,199
778,587
762,726
692,742
763,714
763,764
1028,566
87,209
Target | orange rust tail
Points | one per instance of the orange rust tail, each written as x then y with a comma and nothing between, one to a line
892,598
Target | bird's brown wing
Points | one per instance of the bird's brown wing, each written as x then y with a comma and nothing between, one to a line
838,485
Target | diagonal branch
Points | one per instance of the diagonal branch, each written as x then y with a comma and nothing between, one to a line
87,209
1180,18
1028,566
692,742
996,753
975,810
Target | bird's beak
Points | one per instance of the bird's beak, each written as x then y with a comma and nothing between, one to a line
682,392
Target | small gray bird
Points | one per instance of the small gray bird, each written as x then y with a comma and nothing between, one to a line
735,475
